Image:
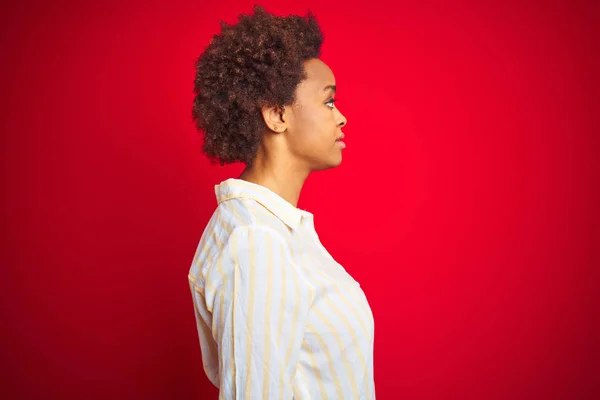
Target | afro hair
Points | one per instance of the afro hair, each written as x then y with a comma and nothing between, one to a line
255,63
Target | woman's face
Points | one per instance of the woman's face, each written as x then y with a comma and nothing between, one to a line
314,124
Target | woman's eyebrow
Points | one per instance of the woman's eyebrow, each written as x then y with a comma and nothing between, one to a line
332,87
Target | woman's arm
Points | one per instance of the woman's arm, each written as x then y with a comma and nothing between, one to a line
259,302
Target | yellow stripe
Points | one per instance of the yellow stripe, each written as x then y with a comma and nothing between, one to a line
208,283
288,354
295,390
250,321
205,329
232,359
238,216
222,311
216,240
223,277
316,365
227,226
338,339
267,343
280,327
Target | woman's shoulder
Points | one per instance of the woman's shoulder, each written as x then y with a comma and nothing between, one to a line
248,215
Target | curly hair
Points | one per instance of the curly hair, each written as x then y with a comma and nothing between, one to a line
257,62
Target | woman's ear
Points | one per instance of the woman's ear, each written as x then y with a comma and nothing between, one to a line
274,118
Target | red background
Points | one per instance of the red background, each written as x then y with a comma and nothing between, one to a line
466,205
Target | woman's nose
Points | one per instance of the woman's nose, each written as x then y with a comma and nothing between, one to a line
342,121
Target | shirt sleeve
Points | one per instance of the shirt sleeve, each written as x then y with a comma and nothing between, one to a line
259,300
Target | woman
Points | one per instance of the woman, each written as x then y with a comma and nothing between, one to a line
277,316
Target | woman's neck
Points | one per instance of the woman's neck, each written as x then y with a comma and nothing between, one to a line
284,179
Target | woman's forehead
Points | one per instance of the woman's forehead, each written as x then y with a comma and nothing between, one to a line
319,76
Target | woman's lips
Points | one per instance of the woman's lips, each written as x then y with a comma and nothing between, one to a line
340,143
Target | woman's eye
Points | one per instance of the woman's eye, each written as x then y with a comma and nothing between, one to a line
330,103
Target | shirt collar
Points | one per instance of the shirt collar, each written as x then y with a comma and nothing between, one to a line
237,188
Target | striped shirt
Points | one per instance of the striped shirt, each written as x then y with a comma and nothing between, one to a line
277,316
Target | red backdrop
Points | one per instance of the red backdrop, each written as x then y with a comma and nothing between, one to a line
466,205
